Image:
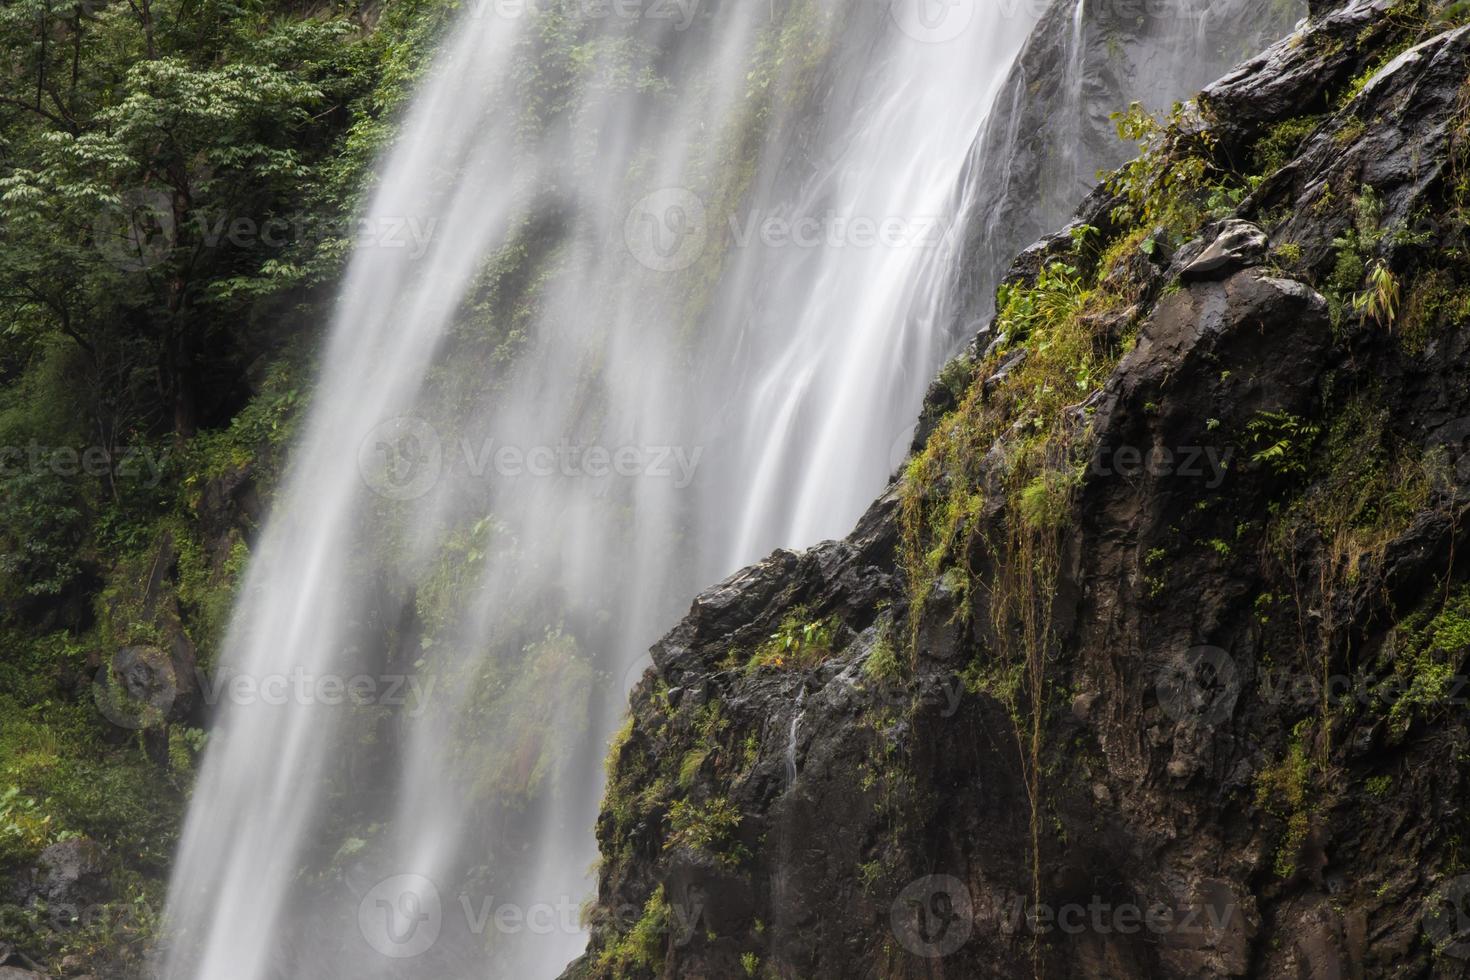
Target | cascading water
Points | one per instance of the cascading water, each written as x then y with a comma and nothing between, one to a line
607,272
692,267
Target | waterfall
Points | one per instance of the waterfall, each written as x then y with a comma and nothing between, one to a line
691,269
711,247
791,734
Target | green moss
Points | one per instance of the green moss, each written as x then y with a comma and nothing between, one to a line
690,766
1282,789
799,643
1350,132
1355,247
1427,656
207,588
1045,502
642,948
60,777
1436,302
882,662
1369,487
706,827
1278,147
1288,256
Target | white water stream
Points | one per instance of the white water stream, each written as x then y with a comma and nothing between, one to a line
687,280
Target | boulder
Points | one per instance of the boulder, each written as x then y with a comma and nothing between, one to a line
1238,245
69,876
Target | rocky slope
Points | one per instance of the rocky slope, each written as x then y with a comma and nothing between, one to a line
1148,664
1051,132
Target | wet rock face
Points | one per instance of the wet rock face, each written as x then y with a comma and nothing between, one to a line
1051,131
818,782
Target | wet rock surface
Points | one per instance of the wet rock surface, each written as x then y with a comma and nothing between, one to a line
1052,131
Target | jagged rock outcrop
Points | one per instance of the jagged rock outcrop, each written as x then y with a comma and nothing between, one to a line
1150,664
1051,132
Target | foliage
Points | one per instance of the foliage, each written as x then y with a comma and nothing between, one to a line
709,827
175,181
1172,184
1281,441
1277,148
1432,295
1355,246
1282,789
882,662
41,530
641,948
1426,656
800,642
1056,295
1380,302
60,778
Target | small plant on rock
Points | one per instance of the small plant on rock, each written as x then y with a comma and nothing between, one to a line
1380,302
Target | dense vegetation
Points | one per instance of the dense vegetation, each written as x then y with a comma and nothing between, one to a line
176,183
